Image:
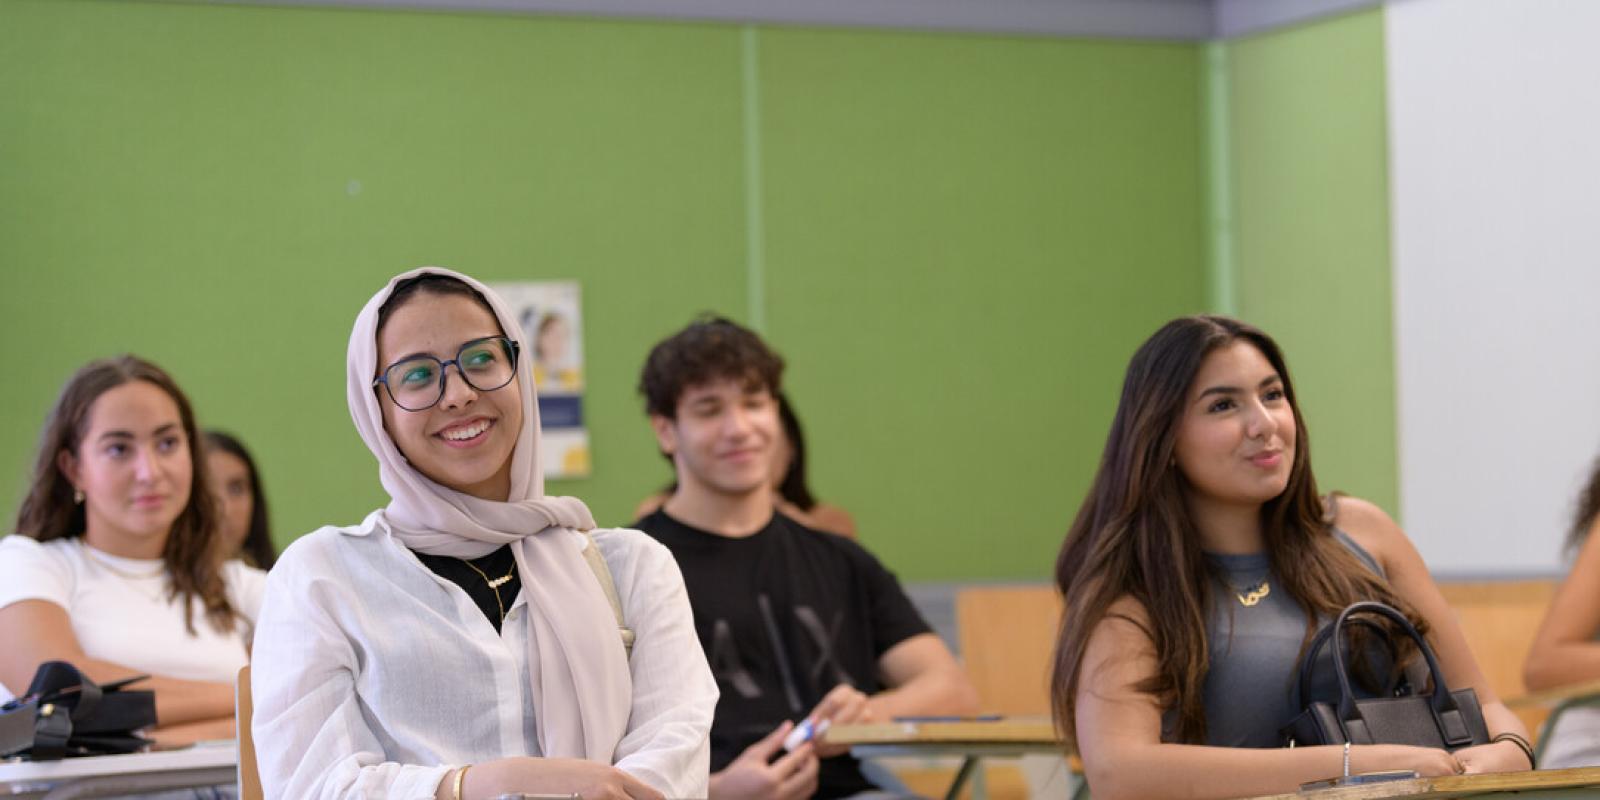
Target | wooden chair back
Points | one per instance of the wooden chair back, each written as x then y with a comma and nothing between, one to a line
1500,619
249,776
1007,636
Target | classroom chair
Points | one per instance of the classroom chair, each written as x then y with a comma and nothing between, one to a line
1007,638
1499,620
249,776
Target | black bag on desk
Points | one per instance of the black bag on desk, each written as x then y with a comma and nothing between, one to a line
1442,718
64,713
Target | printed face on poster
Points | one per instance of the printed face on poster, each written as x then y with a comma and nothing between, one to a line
551,316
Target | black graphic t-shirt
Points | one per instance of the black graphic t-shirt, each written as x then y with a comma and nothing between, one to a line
785,615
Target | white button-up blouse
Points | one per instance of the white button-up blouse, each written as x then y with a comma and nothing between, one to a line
373,677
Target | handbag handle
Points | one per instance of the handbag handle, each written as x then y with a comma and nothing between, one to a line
1309,662
1446,714
56,679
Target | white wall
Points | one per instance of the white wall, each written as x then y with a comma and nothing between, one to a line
1494,120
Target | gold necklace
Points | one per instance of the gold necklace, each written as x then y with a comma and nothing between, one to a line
1254,596
494,584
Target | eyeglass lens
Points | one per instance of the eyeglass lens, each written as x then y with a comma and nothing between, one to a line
416,384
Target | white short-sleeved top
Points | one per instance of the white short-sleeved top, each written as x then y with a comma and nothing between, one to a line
121,611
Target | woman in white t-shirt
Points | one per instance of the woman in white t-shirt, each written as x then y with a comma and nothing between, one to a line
115,565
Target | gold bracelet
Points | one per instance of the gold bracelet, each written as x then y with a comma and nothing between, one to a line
461,778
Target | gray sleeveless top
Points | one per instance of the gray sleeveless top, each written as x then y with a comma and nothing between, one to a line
1250,689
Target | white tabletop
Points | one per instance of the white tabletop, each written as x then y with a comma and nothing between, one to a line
201,765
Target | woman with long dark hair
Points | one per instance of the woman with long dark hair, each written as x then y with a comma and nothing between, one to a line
246,531
1565,651
472,638
116,565
1198,568
791,489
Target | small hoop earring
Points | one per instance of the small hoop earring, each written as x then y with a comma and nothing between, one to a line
77,496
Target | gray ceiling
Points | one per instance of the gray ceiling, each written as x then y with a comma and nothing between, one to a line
1184,20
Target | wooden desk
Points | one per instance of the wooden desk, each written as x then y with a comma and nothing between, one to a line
113,776
971,741
1549,784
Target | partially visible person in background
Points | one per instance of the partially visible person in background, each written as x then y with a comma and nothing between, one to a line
792,495
116,565
789,470
1566,650
244,523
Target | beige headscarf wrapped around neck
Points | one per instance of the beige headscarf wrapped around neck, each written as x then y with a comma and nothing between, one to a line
582,691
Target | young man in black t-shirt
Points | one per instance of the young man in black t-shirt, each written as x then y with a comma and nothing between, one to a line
797,624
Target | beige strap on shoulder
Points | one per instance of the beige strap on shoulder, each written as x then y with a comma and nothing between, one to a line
602,573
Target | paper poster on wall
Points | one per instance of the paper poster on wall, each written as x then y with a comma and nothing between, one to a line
552,324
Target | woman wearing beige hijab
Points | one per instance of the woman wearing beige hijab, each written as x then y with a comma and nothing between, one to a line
474,637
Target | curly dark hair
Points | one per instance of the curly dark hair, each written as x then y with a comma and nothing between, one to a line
711,348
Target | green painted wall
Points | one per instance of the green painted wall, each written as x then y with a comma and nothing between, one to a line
967,239
964,237
1309,181
177,182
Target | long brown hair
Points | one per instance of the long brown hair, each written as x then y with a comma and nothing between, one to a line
1133,536
1587,510
193,552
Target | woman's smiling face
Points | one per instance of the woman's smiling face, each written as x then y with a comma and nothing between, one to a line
465,441
1237,435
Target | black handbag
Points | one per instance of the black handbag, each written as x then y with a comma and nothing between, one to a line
64,713
1441,719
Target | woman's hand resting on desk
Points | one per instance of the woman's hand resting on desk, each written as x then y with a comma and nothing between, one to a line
1494,757
1426,761
586,779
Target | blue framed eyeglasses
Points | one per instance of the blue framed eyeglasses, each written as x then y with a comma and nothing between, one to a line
417,383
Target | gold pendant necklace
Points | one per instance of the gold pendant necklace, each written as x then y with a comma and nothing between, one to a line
1254,596
494,584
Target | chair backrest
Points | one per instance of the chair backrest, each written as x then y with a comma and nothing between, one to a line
1500,619
249,776
1008,635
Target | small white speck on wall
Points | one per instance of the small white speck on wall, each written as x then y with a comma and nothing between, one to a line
353,187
